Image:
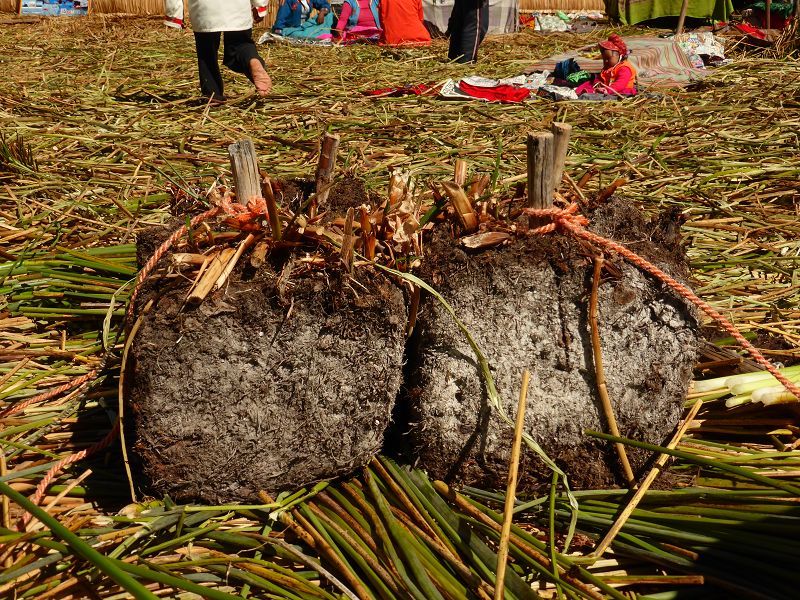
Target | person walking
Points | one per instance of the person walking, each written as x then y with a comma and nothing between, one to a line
231,21
467,27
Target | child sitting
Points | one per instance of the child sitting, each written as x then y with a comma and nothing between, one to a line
618,77
359,19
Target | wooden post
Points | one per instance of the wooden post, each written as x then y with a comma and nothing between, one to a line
561,134
325,166
244,166
540,169
682,17
768,14
464,211
460,172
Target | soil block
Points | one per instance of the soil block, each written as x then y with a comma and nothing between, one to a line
527,305
267,385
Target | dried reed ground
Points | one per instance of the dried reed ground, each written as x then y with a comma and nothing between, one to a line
108,108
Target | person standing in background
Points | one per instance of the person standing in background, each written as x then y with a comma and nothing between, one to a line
210,20
467,27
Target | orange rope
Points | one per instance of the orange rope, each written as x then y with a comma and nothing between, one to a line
162,250
41,489
568,221
78,381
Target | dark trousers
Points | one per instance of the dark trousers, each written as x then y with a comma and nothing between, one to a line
467,27
238,51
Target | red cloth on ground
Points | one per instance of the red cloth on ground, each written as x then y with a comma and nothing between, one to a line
750,30
402,23
506,94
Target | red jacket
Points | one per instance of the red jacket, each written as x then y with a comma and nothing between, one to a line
621,78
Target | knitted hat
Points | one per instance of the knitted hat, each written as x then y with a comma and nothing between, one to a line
616,43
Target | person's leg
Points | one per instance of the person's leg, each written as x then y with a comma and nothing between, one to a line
455,29
207,45
483,26
468,25
241,56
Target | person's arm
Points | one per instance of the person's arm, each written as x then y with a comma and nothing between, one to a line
259,9
323,8
173,13
341,24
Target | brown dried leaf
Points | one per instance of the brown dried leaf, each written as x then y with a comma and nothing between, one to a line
485,240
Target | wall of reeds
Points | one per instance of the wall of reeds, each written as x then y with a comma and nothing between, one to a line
562,5
156,7
137,7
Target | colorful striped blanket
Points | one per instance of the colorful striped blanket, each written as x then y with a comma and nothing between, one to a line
659,62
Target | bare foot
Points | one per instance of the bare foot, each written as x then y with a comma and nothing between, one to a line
261,78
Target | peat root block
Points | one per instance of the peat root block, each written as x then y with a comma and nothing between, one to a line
527,305
254,390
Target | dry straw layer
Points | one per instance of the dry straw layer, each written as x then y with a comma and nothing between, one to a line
106,126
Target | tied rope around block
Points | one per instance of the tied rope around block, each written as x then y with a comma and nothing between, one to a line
568,221
565,220
240,216
144,273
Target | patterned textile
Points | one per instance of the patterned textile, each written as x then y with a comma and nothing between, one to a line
659,62
630,12
503,14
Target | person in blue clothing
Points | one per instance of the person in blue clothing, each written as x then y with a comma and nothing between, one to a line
292,13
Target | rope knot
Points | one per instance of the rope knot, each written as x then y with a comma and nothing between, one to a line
562,218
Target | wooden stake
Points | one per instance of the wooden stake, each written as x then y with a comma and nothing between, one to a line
328,148
540,168
367,235
561,134
600,374
682,17
464,211
348,241
210,276
511,491
226,272
272,209
460,172
479,186
648,481
244,166
768,14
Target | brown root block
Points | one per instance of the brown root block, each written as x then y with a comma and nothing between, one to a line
260,389
527,306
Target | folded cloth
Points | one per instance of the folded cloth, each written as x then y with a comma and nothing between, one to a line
359,33
750,30
576,79
506,94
